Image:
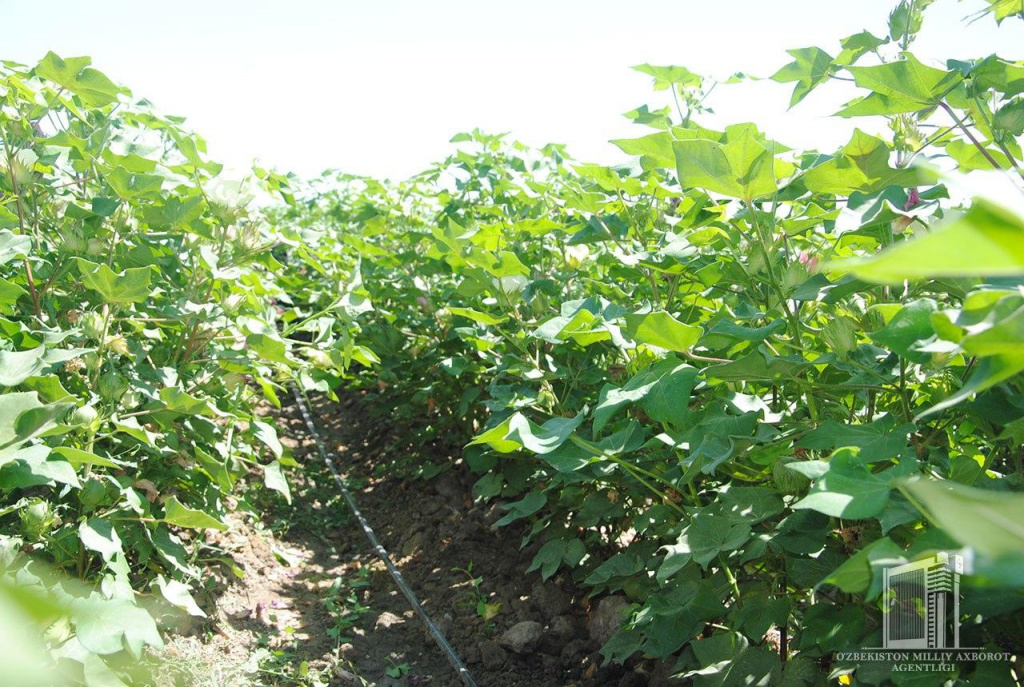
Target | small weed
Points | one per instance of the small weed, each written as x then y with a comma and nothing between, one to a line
485,610
397,670
343,602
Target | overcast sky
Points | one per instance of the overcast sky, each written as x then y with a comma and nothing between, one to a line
379,87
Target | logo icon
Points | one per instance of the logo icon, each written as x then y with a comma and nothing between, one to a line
922,604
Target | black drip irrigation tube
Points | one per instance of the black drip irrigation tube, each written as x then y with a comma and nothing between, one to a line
381,552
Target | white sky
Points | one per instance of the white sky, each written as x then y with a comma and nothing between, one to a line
379,86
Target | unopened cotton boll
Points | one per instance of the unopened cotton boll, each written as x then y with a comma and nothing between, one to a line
22,165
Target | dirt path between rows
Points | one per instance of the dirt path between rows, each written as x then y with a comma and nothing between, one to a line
316,607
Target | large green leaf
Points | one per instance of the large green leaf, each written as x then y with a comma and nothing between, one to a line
863,572
178,514
744,167
1004,9
877,441
844,487
862,165
655,149
911,324
987,241
990,522
902,86
518,432
13,246
661,329
269,347
810,68
107,626
134,186
662,391
17,366
75,75
23,417
100,536
118,288
273,478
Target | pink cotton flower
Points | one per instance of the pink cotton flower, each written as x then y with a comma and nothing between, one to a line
808,261
912,199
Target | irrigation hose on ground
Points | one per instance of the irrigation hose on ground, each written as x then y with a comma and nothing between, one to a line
381,552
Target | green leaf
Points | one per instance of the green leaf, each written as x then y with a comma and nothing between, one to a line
750,505
105,627
530,504
134,186
710,534
9,295
811,68
970,158
862,165
988,372
902,86
555,553
761,612
727,660
911,323
877,441
13,246
270,348
519,432
74,74
119,288
1005,337
179,401
741,168
78,457
29,467
863,572
267,435
661,329
8,220
273,478
619,565
23,417
17,366
1010,117
663,391
847,489
991,522
480,317
655,149
857,45
49,388
668,76
178,594
177,514
100,536
987,241
1004,9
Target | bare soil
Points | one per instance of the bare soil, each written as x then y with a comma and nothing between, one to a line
316,607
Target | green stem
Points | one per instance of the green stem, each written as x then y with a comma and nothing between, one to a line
633,470
732,579
967,132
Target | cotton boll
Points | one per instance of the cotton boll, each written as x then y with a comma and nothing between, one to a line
513,284
575,255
